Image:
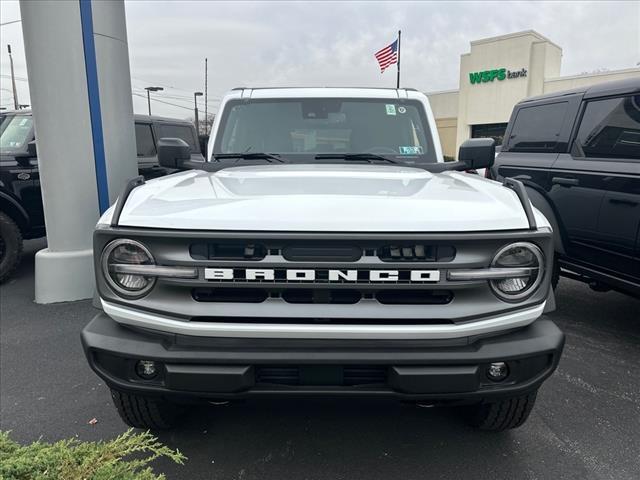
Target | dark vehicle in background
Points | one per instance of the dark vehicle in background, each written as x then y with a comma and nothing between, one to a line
578,154
21,211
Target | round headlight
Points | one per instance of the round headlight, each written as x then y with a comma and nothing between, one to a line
522,255
119,254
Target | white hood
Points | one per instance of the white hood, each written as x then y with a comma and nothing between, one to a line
330,198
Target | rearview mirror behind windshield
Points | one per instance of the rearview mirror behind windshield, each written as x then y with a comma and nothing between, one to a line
173,152
478,152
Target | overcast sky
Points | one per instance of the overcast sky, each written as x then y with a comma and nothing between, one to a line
322,43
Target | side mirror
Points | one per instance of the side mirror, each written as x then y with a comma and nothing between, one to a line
173,152
31,149
478,152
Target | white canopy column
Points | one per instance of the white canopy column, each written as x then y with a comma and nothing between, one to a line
78,64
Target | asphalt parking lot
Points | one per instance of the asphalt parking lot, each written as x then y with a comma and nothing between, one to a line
586,423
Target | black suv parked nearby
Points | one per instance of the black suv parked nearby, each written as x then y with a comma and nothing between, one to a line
21,212
578,153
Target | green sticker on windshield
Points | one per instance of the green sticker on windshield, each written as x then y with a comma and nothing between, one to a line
411,150
391,109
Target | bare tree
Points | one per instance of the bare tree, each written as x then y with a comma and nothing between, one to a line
205,126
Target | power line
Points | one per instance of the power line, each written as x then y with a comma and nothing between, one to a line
9,23
178,98
185,97
22,79
168,96
160,101
159,84
188,98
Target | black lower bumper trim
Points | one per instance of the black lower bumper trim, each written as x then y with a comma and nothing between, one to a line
411,370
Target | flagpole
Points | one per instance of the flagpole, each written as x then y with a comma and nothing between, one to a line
399,33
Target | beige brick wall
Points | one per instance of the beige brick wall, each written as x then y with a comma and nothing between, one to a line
447,130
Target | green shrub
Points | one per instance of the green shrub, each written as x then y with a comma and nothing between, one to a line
126,457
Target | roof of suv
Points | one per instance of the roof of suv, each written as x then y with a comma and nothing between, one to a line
137,117
154,118
615,87
323,92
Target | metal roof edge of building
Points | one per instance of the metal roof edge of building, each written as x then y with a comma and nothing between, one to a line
622,86
508,36
596,74
440,92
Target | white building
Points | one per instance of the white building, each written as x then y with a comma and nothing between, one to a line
497,73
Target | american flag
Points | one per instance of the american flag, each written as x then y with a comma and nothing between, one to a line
387,56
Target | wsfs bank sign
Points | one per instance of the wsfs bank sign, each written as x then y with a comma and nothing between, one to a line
496,74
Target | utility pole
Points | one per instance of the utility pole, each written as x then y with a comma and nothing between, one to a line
195,104
151,89
206,97
16,104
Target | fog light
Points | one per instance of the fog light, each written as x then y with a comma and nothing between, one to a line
498,371
146,369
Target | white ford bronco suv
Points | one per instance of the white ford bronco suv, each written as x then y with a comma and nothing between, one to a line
324,249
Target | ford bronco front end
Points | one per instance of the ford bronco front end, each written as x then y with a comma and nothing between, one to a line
324,249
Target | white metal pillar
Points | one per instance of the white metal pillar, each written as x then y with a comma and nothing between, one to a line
78,64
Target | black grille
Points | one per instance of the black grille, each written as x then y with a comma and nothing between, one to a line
233,295
327,375
416,253
340,297
321,253
278,375
322,296
228,251
326,252
363,375
414,297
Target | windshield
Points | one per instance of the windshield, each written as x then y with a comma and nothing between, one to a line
15,132
301,129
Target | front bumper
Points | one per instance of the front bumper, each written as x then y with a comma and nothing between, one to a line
436,371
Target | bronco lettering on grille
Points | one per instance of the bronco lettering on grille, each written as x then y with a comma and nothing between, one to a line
320,275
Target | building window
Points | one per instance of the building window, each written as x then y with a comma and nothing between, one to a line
489,130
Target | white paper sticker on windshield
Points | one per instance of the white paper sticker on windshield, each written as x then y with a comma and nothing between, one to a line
411,150
391,109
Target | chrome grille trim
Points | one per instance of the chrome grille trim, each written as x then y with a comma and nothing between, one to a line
154,270
137,318
490,273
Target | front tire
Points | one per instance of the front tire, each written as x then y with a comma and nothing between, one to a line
501,415
148,413
10,246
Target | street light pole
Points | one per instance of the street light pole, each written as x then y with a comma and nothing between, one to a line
16,104
151,89
206,96
195,109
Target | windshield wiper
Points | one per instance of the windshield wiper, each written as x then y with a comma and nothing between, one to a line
370,157
270,157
